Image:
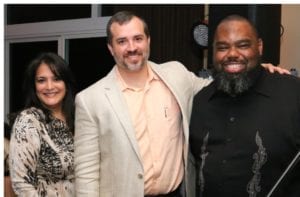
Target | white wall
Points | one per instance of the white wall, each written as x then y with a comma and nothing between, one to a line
290,40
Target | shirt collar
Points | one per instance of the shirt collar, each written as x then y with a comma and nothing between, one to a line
124,86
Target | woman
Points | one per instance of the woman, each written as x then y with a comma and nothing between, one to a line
41,148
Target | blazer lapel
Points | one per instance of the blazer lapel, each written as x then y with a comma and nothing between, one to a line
119,106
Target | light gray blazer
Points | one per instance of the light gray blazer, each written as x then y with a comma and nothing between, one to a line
107,158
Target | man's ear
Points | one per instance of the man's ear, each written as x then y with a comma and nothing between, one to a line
260,46
110,49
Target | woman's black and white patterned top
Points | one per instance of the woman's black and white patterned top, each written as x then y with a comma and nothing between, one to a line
41,156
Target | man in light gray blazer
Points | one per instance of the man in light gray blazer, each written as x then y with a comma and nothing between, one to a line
115,154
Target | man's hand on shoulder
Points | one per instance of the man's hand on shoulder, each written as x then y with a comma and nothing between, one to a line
271,68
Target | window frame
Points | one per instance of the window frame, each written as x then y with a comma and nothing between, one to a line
60,30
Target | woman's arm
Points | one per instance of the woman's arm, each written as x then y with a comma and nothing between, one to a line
24,154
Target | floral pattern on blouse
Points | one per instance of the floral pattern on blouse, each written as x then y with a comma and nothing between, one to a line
41,156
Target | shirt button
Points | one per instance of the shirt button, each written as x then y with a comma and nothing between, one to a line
140,176
228,139
224,161
232,119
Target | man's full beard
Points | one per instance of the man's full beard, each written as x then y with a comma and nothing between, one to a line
233,83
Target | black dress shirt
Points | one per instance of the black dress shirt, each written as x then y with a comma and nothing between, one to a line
242,144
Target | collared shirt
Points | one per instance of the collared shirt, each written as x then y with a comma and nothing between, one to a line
156,118
243,144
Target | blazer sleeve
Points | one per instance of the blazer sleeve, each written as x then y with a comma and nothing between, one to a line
87,152
200,83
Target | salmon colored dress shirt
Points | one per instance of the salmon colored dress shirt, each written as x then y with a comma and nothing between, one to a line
156,118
